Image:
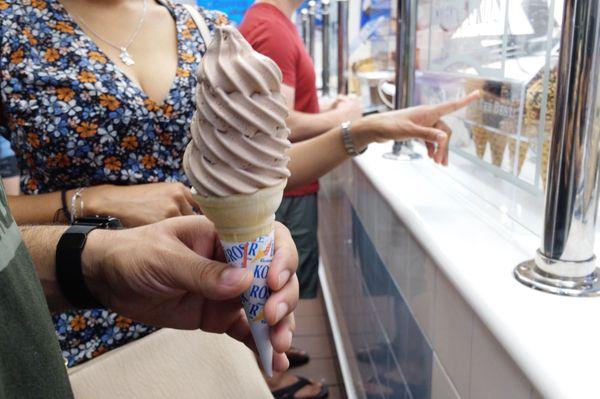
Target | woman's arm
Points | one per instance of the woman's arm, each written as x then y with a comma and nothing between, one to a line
304,126
313,158
38,209
135,205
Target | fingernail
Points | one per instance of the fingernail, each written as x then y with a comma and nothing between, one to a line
290,337
232,276
284,276
441,136
282,309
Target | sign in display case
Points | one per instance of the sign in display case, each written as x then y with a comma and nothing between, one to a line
507,49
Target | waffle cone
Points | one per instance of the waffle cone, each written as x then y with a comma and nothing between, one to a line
498,146
545,159
246,221
240,218
522,147
480,138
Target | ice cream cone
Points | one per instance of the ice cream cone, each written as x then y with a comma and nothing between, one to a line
237,162
545,159
245,225
522,146
243,217
480,138
498,147
474,115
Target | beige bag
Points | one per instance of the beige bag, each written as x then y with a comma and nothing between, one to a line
172,364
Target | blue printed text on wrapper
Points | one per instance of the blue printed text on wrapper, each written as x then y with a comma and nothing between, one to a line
257,256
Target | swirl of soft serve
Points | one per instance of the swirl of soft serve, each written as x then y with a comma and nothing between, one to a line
239,135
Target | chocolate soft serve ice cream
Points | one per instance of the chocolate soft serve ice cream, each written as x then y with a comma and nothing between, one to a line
239,135
237,163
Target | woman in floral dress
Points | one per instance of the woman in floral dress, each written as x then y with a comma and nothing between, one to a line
78,116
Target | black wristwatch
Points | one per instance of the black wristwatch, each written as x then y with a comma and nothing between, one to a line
68,258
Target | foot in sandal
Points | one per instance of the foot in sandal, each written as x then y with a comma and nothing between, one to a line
289,386
297,357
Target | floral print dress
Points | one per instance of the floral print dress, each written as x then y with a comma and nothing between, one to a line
75,119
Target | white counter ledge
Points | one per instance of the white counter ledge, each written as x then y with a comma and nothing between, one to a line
552,339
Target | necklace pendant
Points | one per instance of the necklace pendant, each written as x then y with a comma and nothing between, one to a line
126,57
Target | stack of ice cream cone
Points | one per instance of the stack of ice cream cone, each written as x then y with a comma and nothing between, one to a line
474,116
493,94
532,119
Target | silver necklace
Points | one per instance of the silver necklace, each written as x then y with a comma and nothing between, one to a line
124,54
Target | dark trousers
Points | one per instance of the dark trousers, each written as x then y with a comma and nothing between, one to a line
299,215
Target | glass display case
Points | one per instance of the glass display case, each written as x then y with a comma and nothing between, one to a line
508,50
372,63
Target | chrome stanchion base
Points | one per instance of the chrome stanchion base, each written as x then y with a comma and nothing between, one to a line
529,274
402,151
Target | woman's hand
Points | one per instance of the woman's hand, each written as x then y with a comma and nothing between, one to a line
350,108
140,204
423,122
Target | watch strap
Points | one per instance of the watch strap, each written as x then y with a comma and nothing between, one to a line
348,143
68,266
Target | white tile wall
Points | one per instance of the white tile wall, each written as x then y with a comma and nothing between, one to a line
421,287
494,375
468,362
441,385
453,326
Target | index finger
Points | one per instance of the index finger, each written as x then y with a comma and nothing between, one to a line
190,198
285,260
453,106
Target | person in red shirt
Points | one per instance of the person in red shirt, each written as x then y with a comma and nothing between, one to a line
268,28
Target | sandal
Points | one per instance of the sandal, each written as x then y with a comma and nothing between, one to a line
290,391
297,357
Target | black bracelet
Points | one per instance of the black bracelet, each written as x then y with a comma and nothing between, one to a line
68,267
65,209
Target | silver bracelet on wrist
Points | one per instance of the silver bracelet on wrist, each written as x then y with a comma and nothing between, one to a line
348,143
74,199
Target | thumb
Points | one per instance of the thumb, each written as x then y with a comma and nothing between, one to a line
429,134
206,277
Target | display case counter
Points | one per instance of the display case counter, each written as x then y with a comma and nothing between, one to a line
418,270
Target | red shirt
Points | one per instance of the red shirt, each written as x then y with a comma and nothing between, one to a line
272,33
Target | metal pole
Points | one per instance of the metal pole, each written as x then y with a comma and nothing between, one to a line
405,65
342,47
325,50
565,264
312,8
305,27
406,21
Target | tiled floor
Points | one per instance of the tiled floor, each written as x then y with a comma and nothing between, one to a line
313,334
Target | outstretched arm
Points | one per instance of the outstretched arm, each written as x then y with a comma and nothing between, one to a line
304,126
313,158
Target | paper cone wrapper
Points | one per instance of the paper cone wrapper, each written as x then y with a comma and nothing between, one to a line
245,225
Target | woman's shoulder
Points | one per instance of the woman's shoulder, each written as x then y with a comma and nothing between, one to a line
212,17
